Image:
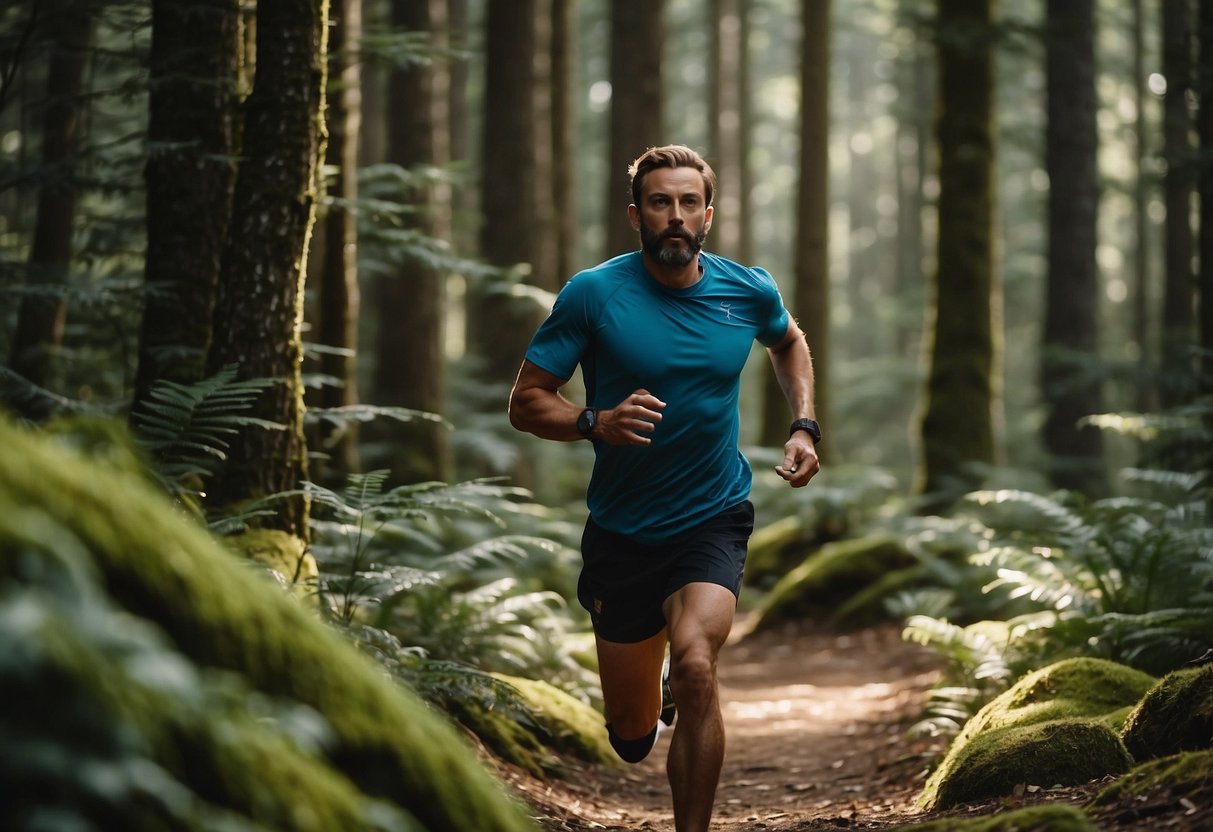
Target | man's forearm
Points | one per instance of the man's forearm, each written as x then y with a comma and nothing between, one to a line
794,370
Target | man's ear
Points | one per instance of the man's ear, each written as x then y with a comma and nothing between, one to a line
634,216
707,217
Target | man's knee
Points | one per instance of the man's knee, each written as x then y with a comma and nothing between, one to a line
632,751
693,679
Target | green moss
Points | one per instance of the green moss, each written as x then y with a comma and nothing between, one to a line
285,555
1189,774
1054,818
830,576
223,616
774,549
1177,715
1063,752
999,747
569,725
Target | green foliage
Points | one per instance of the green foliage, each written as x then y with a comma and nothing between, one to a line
429,565
227,618
186,427
1130,579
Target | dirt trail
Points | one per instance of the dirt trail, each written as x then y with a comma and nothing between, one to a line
816,725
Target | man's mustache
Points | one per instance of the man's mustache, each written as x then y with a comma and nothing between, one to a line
677,232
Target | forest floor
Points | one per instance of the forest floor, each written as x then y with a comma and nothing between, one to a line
817,740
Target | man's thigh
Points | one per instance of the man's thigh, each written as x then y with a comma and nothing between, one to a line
630,674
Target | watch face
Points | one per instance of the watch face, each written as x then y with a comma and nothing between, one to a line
586,421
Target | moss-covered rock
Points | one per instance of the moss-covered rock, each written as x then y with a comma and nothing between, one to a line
775,549
1062,752
568,724
1177,715
284,555
1052,817
1189,774
57,507
830,577
1049,728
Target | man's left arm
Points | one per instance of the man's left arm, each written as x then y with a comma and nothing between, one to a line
794,370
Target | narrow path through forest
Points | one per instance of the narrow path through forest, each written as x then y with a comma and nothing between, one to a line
816,725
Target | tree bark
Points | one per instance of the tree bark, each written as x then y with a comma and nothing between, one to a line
1070,388
957,428
725,125
811,296
1205,128
1178,185
337,304
412,308
500,324
564,138
190,174
637,106
260,301
43,311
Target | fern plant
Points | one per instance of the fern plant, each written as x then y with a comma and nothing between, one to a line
187,428
1129,579
397,562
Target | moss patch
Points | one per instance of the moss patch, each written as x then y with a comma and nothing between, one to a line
774,549
1047,729
1062,752
829,577
1189,775
568,725
225,617
1030,819
284,555
1175,716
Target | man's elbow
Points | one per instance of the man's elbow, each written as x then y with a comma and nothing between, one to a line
517,413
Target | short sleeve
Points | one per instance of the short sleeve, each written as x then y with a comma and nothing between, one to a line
563,338
774,324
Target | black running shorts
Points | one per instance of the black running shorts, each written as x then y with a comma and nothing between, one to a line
624,583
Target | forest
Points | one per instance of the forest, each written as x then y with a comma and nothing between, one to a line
272,552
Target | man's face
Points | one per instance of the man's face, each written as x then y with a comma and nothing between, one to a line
673,217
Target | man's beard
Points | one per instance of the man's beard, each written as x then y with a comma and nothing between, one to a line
651,241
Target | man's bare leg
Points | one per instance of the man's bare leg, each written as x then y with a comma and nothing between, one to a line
700,616
631,684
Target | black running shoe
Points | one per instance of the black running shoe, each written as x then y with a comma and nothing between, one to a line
668,711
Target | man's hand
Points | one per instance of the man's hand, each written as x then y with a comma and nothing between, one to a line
800,461
630,422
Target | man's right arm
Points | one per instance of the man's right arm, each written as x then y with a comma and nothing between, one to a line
537,407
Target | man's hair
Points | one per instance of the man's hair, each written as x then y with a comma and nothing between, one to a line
670,156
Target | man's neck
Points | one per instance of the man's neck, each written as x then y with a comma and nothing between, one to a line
674,277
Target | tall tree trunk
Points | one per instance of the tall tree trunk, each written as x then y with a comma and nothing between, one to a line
810,302
637,106
914,106
260,301
190,175
957,427
1205,129
1070,388
725,125
500,324
337,295
564,138
412,308
1177,314
43,311
1146,392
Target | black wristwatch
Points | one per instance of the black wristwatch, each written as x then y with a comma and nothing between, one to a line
586,422
809,426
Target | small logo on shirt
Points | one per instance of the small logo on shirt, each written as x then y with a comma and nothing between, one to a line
727,314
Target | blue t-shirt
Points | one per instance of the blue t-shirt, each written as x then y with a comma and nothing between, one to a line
685,346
